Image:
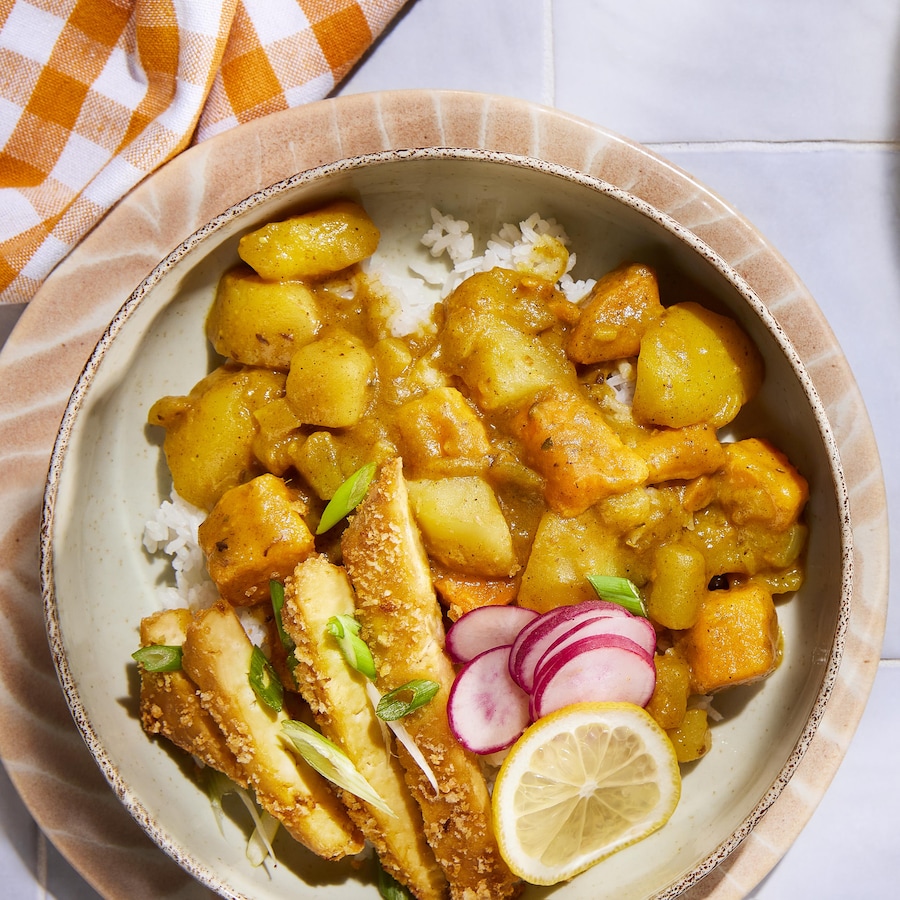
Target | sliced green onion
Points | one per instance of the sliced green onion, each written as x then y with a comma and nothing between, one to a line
405,699
347,497
276,592
259,844
217,786
388,886
345,630
158,658
331,762
264,681
619,590
404,737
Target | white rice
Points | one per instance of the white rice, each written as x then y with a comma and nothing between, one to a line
173,531
511,247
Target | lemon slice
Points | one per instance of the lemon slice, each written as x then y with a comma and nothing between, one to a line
580,784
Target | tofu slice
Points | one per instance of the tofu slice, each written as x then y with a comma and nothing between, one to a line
169,703
337,695
401,622
216,657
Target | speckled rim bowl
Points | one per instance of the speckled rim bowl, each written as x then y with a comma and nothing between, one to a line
106,479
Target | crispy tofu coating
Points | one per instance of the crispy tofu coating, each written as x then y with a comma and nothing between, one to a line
169,703
216,656
337,695
401,622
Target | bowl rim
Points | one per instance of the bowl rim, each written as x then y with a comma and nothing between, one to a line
194,243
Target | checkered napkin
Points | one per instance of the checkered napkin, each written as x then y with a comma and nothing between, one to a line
97,94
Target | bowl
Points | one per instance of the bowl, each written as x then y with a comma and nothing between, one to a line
107,479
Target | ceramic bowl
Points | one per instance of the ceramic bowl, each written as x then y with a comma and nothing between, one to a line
107,478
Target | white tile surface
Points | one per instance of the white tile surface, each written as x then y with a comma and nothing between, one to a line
791,111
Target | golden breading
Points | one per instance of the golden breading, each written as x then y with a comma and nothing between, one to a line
401,622
216,656
337,695
170,705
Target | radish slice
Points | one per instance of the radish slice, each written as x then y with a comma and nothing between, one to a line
484,628
537,636
486,709
635,628
606,668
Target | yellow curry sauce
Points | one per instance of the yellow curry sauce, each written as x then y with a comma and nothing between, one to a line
542,441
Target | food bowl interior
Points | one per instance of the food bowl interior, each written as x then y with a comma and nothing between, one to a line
111,478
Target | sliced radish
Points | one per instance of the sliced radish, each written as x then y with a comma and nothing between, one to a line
636,628
486,709
484,628
537,636
606,668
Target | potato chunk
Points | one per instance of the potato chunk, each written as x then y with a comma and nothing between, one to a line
621,306
278,438
673,687
210,432
695,367
312,245
498,338
217,656
261,323
463,526
581,458
328,382
169,703
255,533
734,640
437,427
564,553
679,586
505,367
692,738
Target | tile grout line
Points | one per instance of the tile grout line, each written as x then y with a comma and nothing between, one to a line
805,145
548,74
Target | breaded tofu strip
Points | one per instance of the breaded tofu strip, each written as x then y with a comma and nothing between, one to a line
216,656
169,703
337,695
401,622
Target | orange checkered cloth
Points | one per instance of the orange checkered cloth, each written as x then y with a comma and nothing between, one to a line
97,94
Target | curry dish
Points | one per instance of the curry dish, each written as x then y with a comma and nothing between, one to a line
522,442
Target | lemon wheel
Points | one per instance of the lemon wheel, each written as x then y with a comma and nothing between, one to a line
581,784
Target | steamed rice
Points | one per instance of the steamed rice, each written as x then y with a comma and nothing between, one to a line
511,247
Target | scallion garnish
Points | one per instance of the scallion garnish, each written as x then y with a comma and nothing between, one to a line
346,498
345,630
264,681
158,658
331,762
405,699
276,592
619,590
